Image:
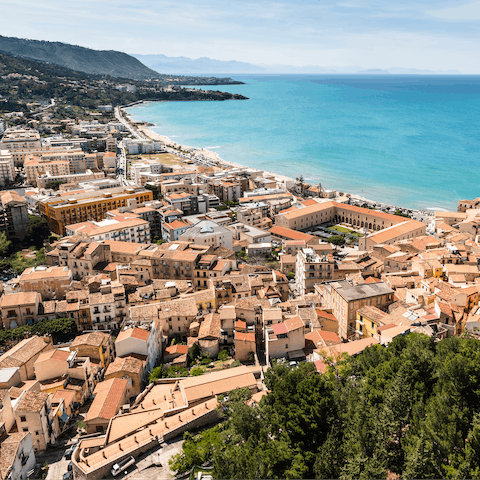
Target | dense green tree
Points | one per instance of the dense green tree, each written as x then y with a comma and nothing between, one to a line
57,328
337,239
54,184
38,230
406,411
154,189
4,244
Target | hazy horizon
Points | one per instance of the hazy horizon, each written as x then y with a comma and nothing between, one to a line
423,35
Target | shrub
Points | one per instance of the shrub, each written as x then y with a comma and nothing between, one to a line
206,358
223,355
195,371
155,374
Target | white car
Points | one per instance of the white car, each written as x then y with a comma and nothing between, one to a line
123,465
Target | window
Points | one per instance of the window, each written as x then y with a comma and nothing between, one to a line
25,429
23,419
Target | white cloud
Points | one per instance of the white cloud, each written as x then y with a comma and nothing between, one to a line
469,12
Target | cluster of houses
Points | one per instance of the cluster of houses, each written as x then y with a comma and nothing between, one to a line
237,266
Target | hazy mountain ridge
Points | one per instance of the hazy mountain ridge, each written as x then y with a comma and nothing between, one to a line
73,57
185,65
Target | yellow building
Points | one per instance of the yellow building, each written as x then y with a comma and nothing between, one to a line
98,346
69,208
369,319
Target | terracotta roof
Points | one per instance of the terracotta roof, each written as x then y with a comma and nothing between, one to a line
175,224
279,328
8,452
138,333
215,383
128,364
244,337
56,354
323,337
324,314
352,348
210,326
109,396
95,339
67,395
9,300
289,233
176,349
294,323
23,351
392,232
32,402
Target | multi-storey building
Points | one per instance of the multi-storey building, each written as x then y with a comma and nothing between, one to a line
226,191
7,168
50,282
312,268
61,163
46,178
19,309
208,233
171,232
79,207
20,143
318,213
120,228
34,414
187,203
13,214
103,310
345,298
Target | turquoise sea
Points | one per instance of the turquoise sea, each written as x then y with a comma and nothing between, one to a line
403,140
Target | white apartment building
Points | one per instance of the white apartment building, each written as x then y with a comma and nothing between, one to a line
138,146
137,168
20,142
125,229
311,268
208,233
47,177
7,168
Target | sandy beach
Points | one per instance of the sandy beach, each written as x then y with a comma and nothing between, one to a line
213,156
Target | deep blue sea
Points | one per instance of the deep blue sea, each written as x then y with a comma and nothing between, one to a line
404,140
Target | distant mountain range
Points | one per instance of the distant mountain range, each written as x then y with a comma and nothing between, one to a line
142,67
203,65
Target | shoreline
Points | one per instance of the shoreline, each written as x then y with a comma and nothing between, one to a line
143,128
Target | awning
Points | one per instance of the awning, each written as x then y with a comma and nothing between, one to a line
296,354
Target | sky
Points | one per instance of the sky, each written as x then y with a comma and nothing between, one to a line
424,34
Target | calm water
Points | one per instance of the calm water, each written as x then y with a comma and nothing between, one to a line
403,140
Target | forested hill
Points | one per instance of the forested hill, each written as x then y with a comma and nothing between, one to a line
411,410
96,62
24,81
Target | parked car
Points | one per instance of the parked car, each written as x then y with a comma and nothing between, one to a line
67,476
69,452
123,465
